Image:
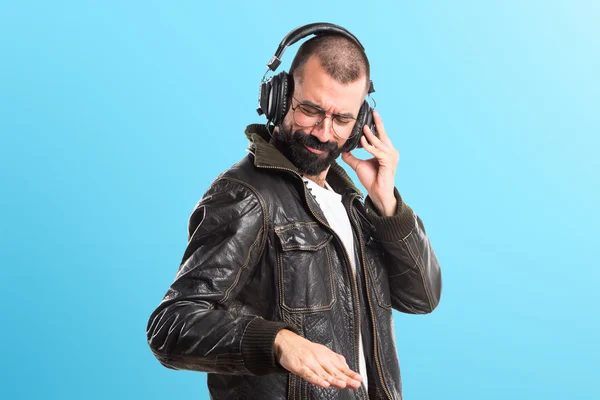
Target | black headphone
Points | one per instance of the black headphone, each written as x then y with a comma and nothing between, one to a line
275,92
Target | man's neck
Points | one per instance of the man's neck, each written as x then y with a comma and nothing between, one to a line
318,179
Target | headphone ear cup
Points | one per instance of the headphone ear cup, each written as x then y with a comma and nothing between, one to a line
267,97
263,98
286,87
365,117
369,120
271,93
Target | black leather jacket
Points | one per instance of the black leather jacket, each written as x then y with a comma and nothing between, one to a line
261,258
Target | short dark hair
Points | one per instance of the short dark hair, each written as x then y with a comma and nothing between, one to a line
341,58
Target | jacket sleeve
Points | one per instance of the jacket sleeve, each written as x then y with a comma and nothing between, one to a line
414,272
191,328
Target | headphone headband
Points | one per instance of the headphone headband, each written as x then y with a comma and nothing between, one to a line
275,92
317,28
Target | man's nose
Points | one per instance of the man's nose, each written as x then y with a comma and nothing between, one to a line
324,131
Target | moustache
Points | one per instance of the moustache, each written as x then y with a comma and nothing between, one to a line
311,141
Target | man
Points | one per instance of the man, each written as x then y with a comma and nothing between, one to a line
288,281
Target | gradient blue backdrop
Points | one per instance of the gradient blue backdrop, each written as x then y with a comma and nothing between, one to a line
115,116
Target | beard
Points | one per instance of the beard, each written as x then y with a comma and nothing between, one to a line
292,145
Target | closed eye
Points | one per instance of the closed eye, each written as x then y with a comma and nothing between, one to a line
343,121
308,110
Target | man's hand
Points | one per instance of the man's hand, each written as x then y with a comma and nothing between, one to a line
377,174
313,362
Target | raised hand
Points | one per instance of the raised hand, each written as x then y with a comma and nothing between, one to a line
377,174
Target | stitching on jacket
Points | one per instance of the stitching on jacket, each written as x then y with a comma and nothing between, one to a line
243,336
318,246
280,278
237,278
263,230
283,228
281,267
417,247
221,360
427,288
331,279
192,234
198,205
352,322
420,268
266,217
291,387
402,273
299,323
375,239
371,271
206,361
413,228
293,379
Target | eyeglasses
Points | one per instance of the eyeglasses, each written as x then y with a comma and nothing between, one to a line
309,116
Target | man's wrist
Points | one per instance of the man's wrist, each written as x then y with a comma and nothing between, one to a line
388,208
391,227
258,345
280,338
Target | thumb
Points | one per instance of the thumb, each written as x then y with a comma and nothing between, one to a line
350,160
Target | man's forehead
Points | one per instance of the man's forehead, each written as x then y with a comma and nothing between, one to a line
343,99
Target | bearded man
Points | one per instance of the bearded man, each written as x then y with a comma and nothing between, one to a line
289,278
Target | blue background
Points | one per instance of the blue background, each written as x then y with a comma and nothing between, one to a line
115,116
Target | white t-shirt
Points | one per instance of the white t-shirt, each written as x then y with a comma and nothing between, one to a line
331,204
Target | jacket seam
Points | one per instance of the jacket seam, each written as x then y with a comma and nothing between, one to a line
283,228
194,360
242,340
293,310
316,247
380,240
420,269
263,230
242,268
371,271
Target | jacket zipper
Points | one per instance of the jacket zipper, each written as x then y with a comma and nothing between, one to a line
355,284
362,253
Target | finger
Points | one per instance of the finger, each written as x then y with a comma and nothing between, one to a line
349,159
352,378
352,375
342,361
373,139
341,380
310,376
371,149
380,128
320,371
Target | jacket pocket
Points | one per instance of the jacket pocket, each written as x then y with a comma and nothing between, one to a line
304,265
379,276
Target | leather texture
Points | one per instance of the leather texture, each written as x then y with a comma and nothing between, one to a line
260,252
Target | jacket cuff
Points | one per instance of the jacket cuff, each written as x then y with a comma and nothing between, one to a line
257,346
396,227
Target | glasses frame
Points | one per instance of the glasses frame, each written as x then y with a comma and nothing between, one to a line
324,115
